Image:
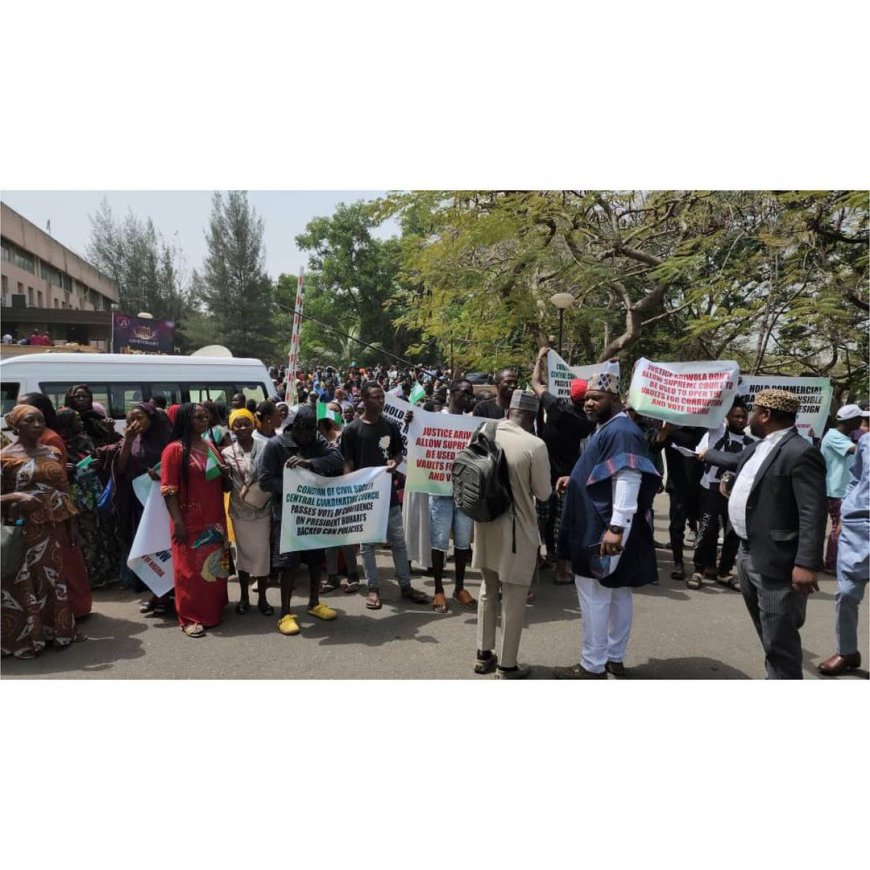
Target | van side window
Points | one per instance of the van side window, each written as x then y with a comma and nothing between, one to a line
252,391
124,396
10,394
220,393
56,391
171,392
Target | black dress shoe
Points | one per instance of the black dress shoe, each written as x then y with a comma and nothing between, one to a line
577,672
837,664
615,668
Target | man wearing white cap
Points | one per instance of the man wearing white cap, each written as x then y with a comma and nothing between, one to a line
506,549
839,451
605,532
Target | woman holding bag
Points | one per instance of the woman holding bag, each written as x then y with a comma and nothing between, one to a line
36,608
250,511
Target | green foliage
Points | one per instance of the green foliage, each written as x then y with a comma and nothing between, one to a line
146,268
234,294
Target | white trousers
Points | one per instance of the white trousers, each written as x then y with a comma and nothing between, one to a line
606,619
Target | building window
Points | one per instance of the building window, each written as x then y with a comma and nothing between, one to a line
30,296
5,285
39,299
56,304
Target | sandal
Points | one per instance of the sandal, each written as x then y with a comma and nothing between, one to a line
730,581
411,594
330,584
464,597
694,582
193,629
373,602
242,607
352,586
265,608
439,603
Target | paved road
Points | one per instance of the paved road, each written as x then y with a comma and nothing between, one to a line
678,634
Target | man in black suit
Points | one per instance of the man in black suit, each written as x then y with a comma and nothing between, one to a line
777,507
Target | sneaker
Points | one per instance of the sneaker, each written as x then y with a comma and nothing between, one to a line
288,625
577,672
321,611
521,672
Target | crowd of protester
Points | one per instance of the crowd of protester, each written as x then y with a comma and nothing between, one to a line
583,474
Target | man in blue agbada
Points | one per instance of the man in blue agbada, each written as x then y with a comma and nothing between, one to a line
606,534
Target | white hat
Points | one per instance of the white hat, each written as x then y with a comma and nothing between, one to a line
851,412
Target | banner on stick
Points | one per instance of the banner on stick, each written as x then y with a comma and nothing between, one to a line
319,512
433,441
686,394
815,395
395,409
151,553
560,374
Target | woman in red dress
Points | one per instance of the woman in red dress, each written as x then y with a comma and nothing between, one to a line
192,479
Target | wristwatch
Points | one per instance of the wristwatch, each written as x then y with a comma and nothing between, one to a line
615,530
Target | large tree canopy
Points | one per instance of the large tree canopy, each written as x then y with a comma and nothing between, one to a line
776,280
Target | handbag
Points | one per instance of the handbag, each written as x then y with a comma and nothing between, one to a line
251,494
12,549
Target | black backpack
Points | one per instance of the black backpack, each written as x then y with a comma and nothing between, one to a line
481,485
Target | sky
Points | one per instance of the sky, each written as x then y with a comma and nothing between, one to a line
185,213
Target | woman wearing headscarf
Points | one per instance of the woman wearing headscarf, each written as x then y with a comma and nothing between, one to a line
144,439
191,477
217,433
33,487
250,510
96,531
97,426
49,436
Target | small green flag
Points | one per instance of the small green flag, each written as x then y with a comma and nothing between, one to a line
417,393
212,469
323,413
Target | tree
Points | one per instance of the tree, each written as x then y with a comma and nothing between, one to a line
148,270
234,294
356,277
771,279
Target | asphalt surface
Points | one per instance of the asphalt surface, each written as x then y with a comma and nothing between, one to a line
677,634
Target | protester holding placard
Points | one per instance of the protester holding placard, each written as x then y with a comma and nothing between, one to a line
445,516
192,484
565,430
373,441
606,537
300,446
777,508
250,509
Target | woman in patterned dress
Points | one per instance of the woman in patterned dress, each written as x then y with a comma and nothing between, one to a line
35,604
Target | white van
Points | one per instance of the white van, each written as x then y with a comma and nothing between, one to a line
120,380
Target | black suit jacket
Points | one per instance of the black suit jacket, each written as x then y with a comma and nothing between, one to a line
786,513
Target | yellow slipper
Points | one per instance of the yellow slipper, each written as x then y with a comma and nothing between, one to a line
287,624
321,611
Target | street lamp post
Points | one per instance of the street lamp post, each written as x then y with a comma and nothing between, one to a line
562,301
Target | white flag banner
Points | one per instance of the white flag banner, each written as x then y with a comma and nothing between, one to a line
319,512
687,393
560,374
433,441
150,556
815,395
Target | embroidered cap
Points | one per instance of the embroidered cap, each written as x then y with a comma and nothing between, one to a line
523,400
778,400
603,382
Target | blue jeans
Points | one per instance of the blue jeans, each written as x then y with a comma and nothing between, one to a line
444,516
396,540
